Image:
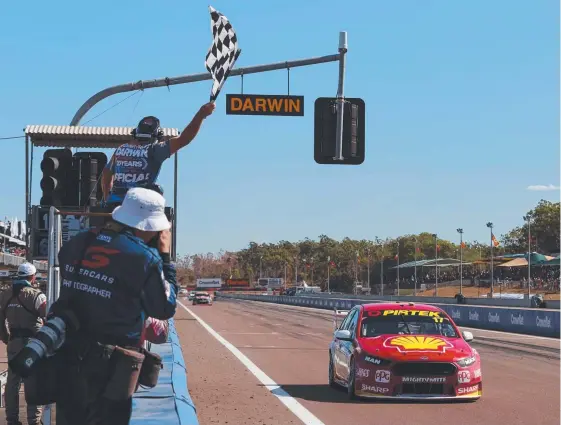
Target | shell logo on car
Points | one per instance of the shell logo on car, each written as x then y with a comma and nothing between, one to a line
417,343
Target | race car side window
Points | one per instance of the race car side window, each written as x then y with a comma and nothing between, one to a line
345,321
353,322
350,319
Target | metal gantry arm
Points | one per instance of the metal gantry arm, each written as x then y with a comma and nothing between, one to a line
185,79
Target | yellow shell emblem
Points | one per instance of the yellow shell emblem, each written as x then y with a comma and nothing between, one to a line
417,343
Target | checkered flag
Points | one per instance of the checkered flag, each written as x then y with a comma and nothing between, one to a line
223,53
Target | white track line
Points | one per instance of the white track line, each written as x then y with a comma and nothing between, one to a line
292,404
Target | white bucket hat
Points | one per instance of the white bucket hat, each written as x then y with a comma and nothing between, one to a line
142,209
26,269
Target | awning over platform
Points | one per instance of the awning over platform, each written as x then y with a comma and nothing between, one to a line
60,136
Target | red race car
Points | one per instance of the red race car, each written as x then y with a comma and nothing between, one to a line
405,351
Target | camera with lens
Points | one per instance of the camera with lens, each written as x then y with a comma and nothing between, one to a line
44,343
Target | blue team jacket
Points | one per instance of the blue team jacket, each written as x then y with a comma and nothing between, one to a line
119,282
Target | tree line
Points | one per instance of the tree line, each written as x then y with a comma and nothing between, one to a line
349,259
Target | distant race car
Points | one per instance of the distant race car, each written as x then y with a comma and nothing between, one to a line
202,298
191,296
404,351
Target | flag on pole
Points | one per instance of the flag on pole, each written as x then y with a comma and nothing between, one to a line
496,243
223,53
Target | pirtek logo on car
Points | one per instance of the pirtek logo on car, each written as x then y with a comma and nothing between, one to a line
464,377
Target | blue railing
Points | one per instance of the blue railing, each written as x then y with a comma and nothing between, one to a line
169,402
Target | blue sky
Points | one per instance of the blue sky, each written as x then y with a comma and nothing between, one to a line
462,106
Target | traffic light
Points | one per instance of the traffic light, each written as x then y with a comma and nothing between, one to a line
325,128
89,166
57,182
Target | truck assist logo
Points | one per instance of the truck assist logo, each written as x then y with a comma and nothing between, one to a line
417,343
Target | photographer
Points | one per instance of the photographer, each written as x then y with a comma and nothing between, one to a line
112,280
22,309
138,163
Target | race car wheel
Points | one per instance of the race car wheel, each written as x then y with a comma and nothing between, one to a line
332,382
351,381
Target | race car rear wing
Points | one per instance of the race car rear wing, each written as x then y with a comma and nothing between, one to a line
338,315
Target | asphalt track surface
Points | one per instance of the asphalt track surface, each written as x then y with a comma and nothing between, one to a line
288,346
238,351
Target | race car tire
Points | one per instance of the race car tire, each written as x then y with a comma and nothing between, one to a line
351,381
331,378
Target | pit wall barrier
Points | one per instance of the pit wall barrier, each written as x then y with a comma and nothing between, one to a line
540,322
490,302
169,402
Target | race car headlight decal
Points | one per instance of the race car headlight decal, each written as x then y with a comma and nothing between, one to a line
467,361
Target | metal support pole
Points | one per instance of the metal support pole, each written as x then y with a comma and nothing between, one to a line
328,270
340,97
415,283
436,264
27,201
185,79
382,276
174,230
368,271
397,268
461,262
528,218
296,271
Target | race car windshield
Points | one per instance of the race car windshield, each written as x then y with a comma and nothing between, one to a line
406,325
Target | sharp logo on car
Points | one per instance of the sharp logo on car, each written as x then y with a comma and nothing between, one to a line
417,343
468,390
374,389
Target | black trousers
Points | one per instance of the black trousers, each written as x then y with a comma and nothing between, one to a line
80,400
98,412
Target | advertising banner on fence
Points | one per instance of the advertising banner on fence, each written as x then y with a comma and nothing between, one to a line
213,282
518,320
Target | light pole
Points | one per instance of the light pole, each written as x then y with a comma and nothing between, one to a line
397,255
312,266
435,236
356,271
328,270
368,268
285,264
461,232
528,219
381,265
415,254
490,226
260,267
296,271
